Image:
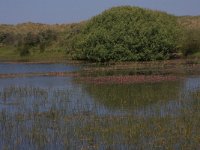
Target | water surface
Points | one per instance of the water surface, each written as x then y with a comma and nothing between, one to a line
6,68
48,112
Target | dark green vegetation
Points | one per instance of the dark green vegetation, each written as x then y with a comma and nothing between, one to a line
118,34
128,33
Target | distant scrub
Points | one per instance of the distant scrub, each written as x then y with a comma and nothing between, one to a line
28,38
191,42
128,33
6,37
191,36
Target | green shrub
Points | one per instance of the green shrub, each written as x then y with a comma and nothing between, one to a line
128,33
7,38
191,42
24,51
46,37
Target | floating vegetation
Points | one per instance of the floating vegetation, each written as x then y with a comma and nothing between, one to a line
128,79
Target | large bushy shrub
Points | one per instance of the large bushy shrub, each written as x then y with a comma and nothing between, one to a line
127,33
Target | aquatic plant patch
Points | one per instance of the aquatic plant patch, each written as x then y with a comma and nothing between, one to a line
128,79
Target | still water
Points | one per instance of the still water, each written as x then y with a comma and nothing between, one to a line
6,68
34,108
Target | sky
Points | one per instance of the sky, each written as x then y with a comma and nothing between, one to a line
70,11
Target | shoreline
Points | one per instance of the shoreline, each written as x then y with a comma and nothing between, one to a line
39,61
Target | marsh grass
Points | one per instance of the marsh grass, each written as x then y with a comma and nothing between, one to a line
47,125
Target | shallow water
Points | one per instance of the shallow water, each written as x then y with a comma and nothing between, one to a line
6,68
44,112
50,90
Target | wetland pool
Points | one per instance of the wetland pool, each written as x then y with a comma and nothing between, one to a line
48,112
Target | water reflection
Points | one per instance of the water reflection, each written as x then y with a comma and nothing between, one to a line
148,99
132,96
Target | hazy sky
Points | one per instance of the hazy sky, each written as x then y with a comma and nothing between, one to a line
67,11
